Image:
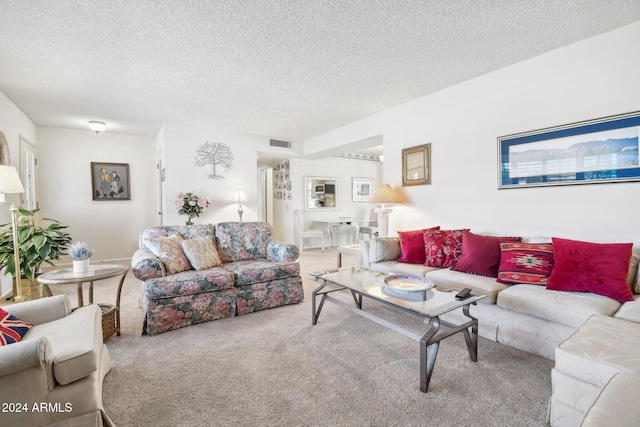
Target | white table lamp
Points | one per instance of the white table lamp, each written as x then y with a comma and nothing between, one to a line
384,195
239,198
10,183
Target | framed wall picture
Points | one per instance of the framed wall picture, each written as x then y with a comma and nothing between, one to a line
110,181
593,151
4,150
416,165
362,189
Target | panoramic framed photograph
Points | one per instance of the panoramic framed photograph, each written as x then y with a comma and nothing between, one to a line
594,151
110,181
416,165
362,189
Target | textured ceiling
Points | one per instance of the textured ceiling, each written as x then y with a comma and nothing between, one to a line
285,69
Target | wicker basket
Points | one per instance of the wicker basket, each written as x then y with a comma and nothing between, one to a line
108,320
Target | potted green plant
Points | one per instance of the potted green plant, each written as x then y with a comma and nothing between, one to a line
37,244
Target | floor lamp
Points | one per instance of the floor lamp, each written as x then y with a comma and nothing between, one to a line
239,198
10,183
384,195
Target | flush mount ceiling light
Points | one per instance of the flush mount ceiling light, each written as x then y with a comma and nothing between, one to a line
97,126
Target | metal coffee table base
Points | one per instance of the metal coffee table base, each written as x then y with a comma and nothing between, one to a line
429,342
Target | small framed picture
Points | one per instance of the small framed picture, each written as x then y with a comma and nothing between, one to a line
110,181
362,189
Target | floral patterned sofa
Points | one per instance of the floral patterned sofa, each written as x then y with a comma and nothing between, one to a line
253,272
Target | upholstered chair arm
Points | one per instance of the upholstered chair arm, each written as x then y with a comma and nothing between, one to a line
42,310
25,354
146,266
281,252
26,379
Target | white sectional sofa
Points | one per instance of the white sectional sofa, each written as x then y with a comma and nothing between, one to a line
593,338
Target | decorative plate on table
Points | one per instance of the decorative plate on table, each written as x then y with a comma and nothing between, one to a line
407,283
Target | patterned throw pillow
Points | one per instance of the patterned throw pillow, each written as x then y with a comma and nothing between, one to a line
527,263
169,251
202,253
12,329
443,247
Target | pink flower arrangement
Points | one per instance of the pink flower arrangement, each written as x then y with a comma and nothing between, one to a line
191,204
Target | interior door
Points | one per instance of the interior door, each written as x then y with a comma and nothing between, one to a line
28,166
161,177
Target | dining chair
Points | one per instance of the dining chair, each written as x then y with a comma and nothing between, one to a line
309,233
369,227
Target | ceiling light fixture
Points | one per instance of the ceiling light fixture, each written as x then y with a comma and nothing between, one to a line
97,126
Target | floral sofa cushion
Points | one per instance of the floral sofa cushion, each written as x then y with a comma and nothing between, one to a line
189,283
261,270
186,231
239,241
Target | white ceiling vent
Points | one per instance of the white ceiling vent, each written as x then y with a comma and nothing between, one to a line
278,143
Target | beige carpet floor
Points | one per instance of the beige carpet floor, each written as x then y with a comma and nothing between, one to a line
273,368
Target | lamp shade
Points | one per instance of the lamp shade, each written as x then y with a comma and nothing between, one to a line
239,197
384,195
10,180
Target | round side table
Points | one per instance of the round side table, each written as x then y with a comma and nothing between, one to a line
96,272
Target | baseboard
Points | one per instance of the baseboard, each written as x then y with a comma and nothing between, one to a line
6,297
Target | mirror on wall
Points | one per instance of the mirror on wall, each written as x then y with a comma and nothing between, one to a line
321,193
416,165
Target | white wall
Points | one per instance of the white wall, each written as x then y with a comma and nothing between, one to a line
594,78
180,144
13,123
65,193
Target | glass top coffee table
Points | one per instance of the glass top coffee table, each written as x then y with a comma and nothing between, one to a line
428,304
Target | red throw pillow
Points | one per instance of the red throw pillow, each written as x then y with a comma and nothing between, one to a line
529,263
412,246
600,268
12,329
481,254
442,247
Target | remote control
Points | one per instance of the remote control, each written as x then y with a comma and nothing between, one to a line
463,294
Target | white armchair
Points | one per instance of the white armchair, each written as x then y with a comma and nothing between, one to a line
54,375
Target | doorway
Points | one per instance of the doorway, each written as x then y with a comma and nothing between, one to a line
28,164
266,195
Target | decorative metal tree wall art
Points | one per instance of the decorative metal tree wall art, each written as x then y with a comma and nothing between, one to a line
216,154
